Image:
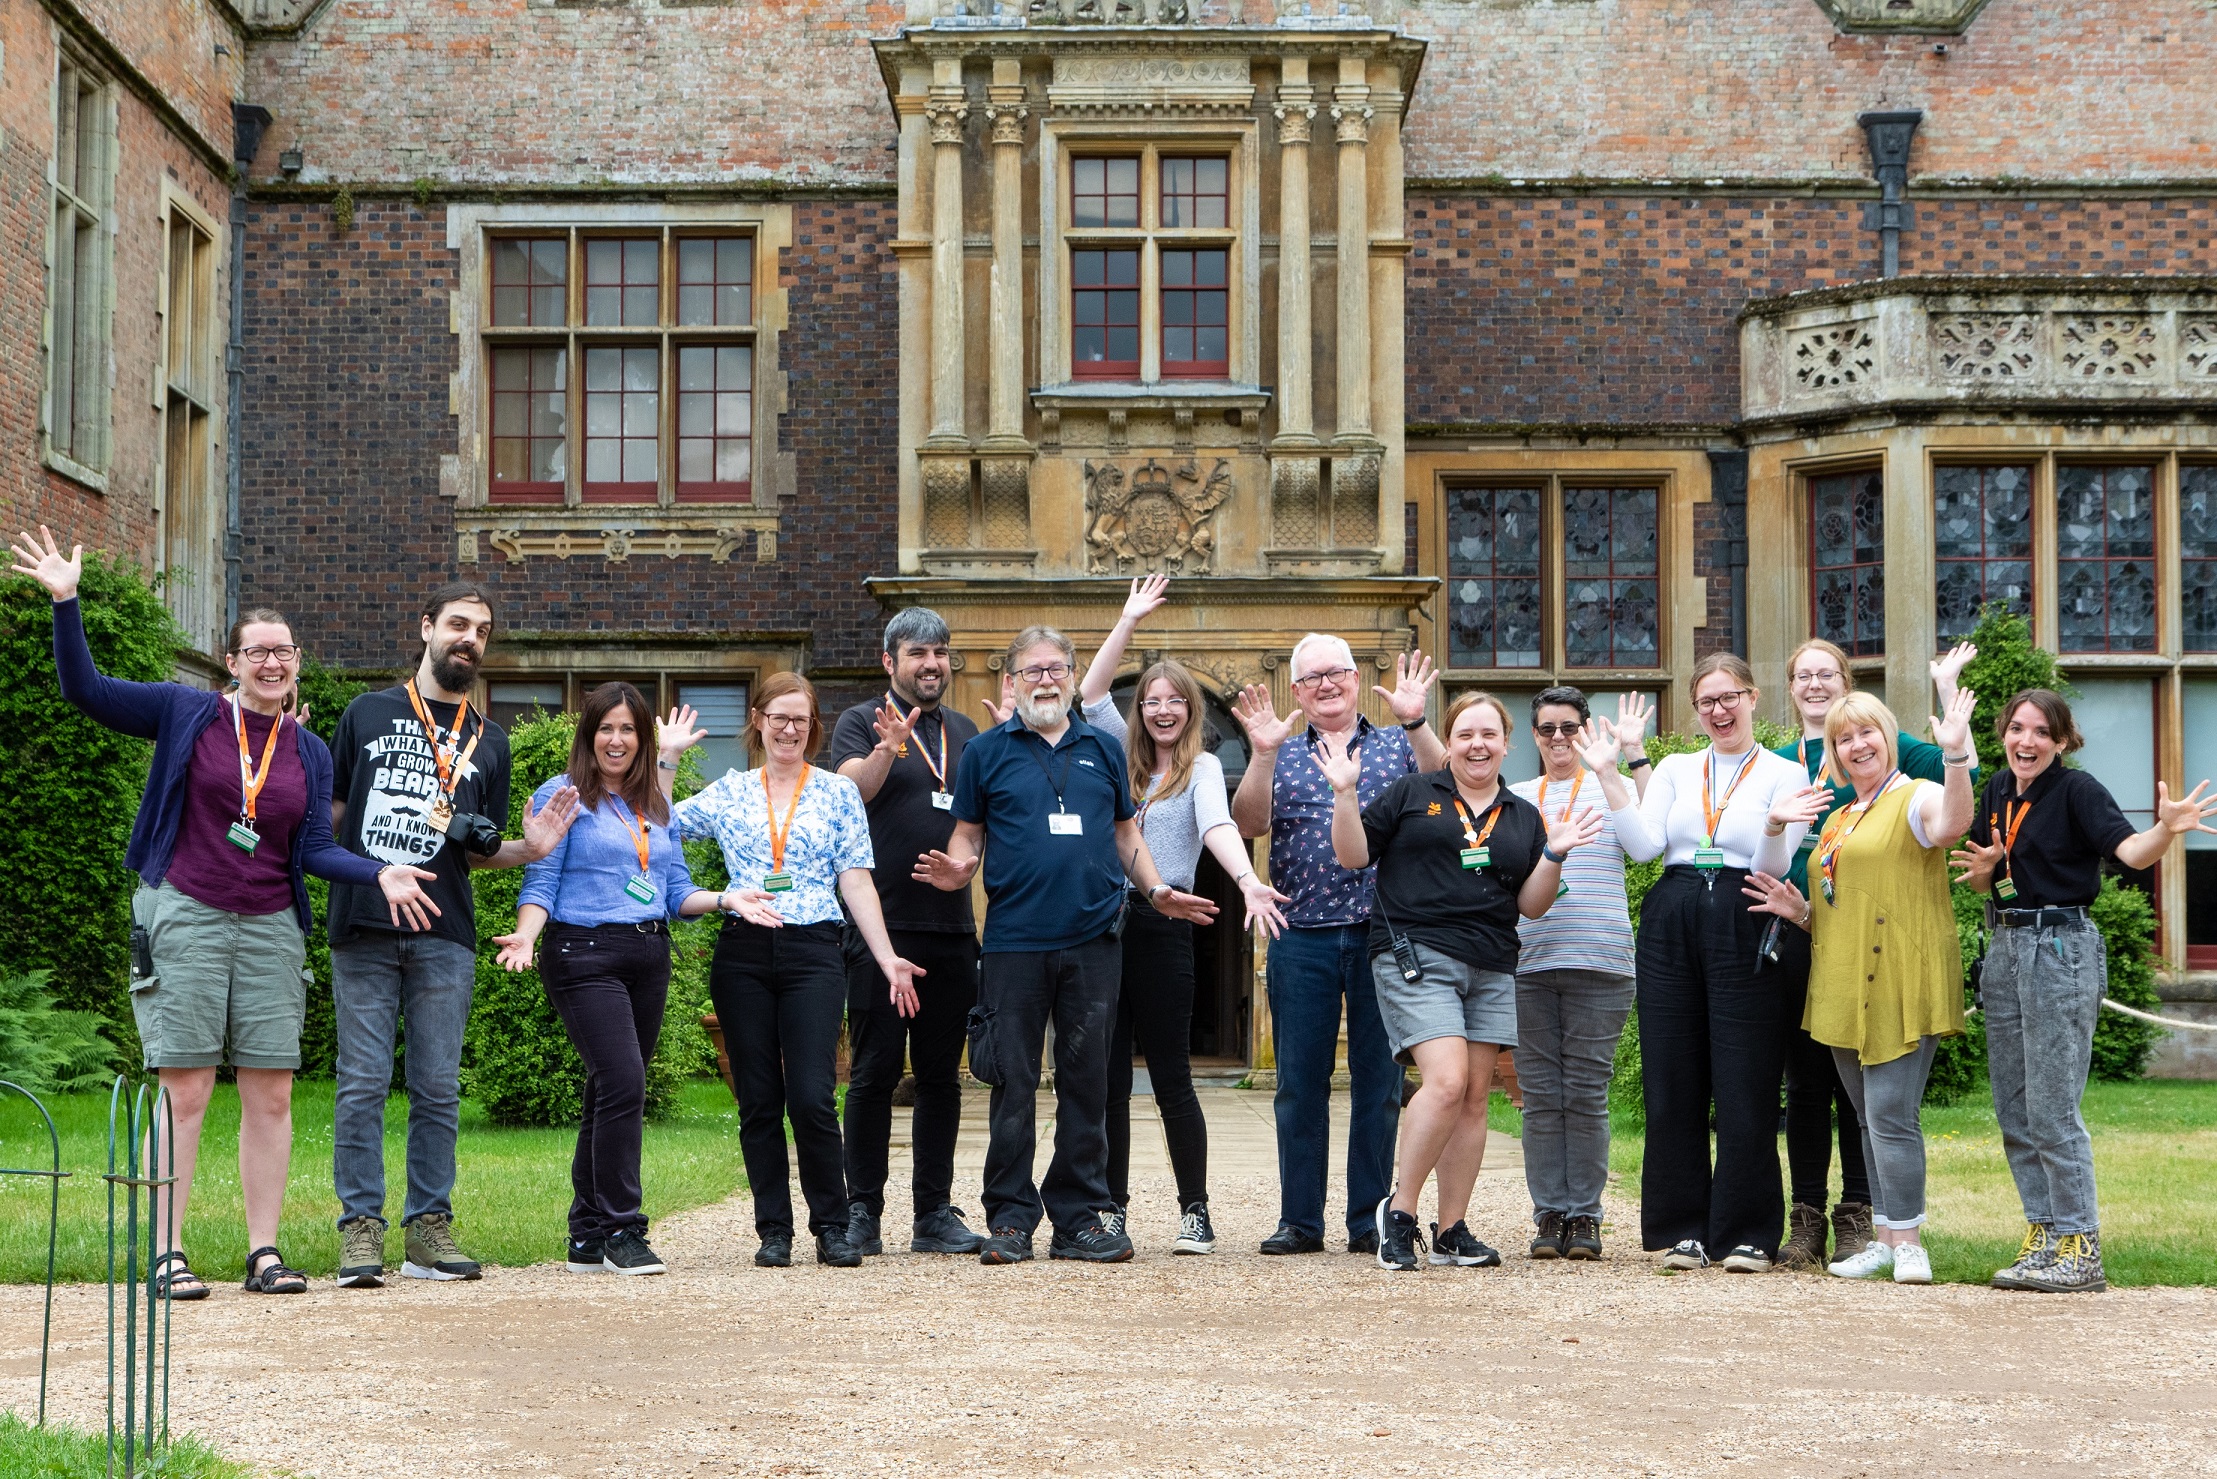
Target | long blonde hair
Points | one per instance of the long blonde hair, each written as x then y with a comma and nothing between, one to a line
1140,753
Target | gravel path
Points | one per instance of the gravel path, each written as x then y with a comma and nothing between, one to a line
1228,1364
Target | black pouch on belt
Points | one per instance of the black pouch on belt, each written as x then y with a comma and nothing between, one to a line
985,1065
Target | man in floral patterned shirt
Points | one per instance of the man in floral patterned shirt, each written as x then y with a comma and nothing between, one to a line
1325,955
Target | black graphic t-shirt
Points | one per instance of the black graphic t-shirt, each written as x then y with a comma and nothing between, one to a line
384,771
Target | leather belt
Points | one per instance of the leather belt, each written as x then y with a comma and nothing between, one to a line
2040,919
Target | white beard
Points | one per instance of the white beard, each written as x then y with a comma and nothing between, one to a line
1042,714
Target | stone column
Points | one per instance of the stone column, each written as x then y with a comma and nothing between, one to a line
1387,253
911,250
1005,109
1351,111
946,108
1296,512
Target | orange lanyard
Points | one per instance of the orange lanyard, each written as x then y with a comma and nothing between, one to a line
1841,827
939,771
637,828
447,767
1714,814
2008,833
1576,781
251,780
1477,839
779,831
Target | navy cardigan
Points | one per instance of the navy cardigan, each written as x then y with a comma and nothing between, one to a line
173,717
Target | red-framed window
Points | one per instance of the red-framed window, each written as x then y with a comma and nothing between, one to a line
531,278
1104,313
2105,558
715,423
1104,191
1847,560
530,424
1196,192
1982,537
1196,313
623,422
623,282
715,280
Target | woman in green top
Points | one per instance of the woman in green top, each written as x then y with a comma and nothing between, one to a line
1817,675
1885,973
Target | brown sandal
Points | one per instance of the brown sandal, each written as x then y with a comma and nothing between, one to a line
273,1277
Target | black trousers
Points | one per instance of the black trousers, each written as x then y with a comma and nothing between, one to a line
1713,1031
780,995
1816,1100
1076,990
609,986
1154,1011
880,1039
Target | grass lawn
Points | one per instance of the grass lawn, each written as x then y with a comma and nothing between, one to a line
2155,1165
511,1191
59,1451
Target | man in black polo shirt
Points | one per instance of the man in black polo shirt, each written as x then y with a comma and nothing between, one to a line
1054,798
903,755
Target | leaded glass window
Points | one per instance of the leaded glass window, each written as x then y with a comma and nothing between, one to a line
1982,537
2105,558
1847,561
2198,556
1493,577
1611,609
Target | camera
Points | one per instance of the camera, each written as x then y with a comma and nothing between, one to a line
477,834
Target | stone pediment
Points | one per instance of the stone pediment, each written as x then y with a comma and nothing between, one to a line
1154,81
1927,17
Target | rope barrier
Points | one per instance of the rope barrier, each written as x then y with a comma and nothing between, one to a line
2118,1006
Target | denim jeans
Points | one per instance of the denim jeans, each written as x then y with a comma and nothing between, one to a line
1889,1098
1568,1023
2042,990
1311,971
379,980
1076,990
609,986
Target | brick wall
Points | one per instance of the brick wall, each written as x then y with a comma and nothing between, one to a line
172,44
348,357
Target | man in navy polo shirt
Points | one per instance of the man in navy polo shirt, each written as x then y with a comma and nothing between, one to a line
1054,798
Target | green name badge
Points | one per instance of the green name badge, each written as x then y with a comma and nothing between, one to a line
244,838
1477,857
1708,857
1561,889
638,887
2004,889
777,883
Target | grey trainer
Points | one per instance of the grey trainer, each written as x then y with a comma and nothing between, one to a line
432,1251
362,1254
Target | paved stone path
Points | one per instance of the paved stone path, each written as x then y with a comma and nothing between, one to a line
1232,1364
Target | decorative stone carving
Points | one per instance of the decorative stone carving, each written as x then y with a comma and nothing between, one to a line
1293,122
1296,520
2198,350
1834,356
1156,518
946,502
1152,85
2107,346
1986,346
1355,501
1928,17
946,115
719,542
1008,122
1004,493
1354,124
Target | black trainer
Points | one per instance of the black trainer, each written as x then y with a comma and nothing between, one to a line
1582,1237
1400,1240
628,1253
1091,1244
944,1231
862,1230
776,1251
584,1256
1290,1239
1365,1241
1196,1233
1459,1248
1551,1240
834,1251
1007,1245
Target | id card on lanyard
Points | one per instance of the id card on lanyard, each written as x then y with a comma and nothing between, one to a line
1709,856
2005,887
245,833
1477,855
1061,822
640,885
942,795
777,880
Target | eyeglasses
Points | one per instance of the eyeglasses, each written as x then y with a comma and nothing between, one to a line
1819,675
1053,672
1160,705
785,723
1549,731
1334,676
285,653
1730,700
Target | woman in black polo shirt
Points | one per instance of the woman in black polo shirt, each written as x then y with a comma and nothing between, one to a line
1459,859
2037,843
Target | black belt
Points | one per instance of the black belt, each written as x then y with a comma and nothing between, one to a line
1688,870
644,926
2040,919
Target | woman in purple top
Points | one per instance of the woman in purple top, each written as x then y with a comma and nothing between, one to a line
237,809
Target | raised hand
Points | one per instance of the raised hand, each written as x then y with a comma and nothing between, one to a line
1599,745
1948,667
902,974
405,898
1262,903
1146,598
1574,831
1186,906
52,569
1978,863
1633,712
1774,896
2186,814
1803,806
893,727
678,733
546,826
943,872
1259,717
1952,733
515,952
1007,706
1341,767
1413,677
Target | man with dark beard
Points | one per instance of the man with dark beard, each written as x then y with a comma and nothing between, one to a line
420,777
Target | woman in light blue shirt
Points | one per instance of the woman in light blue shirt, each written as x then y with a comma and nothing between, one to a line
609,889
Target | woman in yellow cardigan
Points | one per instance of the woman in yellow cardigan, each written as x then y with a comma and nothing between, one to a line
1885,971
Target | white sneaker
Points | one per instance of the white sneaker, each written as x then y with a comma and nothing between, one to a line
1912,1264
1874,1260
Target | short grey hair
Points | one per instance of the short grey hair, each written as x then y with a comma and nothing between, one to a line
1315,639
918,624
1030,637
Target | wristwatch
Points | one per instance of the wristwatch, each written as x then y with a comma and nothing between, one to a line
1160,888
1637,761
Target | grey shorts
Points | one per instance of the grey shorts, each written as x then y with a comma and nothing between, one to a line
1453,1000
219,979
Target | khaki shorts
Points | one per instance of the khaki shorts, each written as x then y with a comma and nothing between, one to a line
219,979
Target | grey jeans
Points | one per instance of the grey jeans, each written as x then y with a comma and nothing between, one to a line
1888,1097
1568,1023
378,980
2043,991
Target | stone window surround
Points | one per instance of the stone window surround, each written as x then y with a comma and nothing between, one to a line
203,386
90,472
518,532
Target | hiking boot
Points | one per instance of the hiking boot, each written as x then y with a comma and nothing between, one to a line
1007,1245
585,1256
1912,1264
1400,1240
2036,1252
1686,1254
1459,1248
1196,1234
362,1254
943,1231
1289,1239
1113,1220
1582,1237
1851,1229
862,1230
834,1251
432,1251
2075,1268
1873,1262
1804,1250
1747,1259
1549,1242
776,1251
628,1253
1095,1244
